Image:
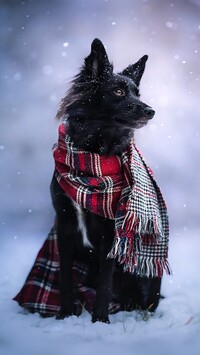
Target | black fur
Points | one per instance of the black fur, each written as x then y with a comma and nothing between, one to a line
103,109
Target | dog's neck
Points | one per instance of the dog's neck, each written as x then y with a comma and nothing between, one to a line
98,138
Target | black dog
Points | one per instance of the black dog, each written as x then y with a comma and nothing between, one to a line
103,109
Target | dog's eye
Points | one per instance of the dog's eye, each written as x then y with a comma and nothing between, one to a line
119,92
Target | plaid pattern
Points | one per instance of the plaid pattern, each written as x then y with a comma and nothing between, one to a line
142,228
40,292
120,188
92,180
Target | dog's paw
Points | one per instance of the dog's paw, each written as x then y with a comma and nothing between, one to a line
100,319
63,313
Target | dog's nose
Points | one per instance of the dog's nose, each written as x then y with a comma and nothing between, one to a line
149,112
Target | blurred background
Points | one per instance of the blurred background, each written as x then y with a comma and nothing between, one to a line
43,44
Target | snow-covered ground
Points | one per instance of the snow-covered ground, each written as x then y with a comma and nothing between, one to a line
174,328
42,43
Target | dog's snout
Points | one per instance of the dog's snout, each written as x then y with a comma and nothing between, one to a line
149,112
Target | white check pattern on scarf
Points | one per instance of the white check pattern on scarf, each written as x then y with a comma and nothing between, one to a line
146,219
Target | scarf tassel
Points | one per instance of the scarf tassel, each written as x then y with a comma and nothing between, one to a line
142,225
134,263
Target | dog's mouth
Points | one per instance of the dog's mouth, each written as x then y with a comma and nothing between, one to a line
137,121
140,123
131,124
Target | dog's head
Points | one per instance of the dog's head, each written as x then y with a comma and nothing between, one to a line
97,93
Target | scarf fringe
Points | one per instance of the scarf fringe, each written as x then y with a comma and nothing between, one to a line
142,225
134,263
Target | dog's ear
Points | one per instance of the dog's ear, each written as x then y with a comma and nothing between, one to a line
97,63
135,71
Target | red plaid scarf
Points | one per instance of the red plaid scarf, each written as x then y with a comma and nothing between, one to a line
120,188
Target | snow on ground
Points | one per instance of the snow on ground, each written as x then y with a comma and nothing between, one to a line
175,327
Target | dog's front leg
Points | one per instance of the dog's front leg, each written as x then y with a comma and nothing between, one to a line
104,288
65,247
149,291
66,230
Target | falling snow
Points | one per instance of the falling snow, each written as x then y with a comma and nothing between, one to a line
65,44
47,70
17,77
169,24
42,46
